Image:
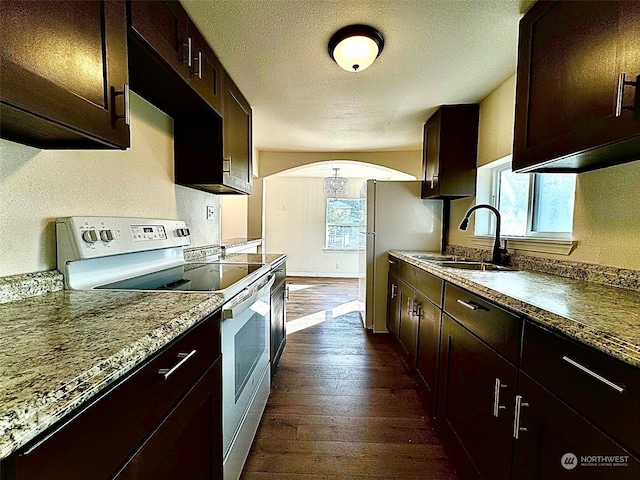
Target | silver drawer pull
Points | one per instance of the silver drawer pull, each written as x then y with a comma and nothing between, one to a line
470,306
516,417
496,397
609,383
167,372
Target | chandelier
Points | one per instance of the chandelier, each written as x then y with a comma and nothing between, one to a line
334,186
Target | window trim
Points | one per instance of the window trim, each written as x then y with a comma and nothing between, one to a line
560,243
328,249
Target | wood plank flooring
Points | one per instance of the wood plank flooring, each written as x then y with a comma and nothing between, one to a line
342,406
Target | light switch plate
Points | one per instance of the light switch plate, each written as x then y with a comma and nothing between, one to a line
211,212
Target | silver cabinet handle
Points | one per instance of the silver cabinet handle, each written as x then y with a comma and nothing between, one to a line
496,397
286,293
167,372
189,46
199,60
586,370
434,181
470,306
394,290
417,310
622,82
226,159
126,115
516,418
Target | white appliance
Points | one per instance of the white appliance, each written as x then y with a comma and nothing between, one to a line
114,253
397,219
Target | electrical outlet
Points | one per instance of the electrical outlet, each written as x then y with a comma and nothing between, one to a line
211,212
338,266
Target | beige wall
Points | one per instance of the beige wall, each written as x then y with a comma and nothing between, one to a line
271,163
606,221
295,225
275,162
234,216
36,186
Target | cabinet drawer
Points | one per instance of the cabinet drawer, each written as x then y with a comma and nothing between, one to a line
604,390
497,327
95,441
427,284
394,265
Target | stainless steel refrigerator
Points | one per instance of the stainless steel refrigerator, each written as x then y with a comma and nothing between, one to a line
396,219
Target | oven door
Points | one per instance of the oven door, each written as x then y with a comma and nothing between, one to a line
245,373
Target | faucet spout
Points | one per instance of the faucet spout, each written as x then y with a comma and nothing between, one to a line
496,254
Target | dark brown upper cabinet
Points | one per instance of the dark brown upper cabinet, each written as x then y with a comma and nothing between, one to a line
173,67
450,151
63,71
237,138
212,153
164,28
578,90
206,70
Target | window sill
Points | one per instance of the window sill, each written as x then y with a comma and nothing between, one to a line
541,245
338,250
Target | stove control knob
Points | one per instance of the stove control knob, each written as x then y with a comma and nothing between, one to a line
90,236
183,232
106,235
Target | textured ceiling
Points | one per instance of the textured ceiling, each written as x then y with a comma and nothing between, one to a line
436,52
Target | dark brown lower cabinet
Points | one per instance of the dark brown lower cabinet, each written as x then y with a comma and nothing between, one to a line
428,349
187,442
278,316
161,421
475,411
407,327
392,305
555,442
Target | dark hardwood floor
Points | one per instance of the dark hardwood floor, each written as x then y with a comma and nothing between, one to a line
341,405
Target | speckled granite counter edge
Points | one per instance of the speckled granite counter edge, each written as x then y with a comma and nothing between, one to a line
237,242
585,334
193,254
17,287
35,418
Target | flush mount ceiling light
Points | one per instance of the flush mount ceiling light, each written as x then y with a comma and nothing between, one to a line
355,47
334,186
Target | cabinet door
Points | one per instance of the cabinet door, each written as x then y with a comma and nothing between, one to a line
569,61
407,328
62,64
164,27
237,167
188,443
431,157
206,70
428,350
392,305
557,443
278,324
477,388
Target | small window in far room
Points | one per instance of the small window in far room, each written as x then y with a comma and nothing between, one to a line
538,205
343,224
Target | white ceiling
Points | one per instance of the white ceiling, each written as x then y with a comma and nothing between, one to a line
436,52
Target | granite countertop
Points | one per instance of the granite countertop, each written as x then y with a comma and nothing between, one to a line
60,349
606,318
238,242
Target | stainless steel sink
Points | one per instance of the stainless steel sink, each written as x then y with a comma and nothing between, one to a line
469,265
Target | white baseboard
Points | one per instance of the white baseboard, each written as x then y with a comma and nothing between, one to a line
324,275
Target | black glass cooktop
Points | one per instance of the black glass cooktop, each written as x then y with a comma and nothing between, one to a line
193,277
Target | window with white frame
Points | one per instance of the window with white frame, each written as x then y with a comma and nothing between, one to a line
344,223
538,205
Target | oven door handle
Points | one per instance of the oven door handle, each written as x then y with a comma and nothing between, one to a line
236,307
